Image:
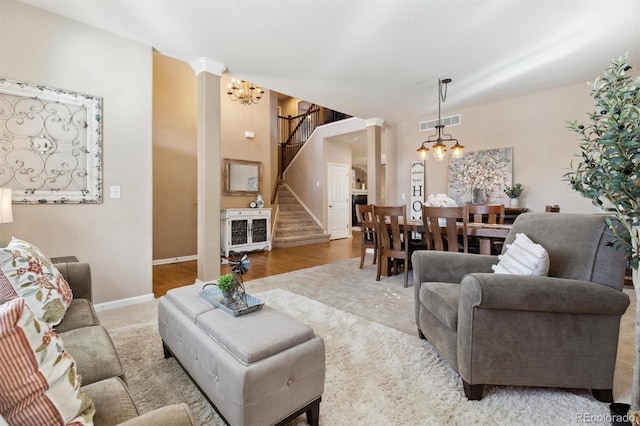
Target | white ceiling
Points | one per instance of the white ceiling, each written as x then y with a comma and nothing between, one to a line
382,58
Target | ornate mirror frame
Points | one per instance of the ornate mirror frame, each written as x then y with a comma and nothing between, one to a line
241,177
50,144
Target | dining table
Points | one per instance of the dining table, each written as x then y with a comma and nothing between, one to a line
484,231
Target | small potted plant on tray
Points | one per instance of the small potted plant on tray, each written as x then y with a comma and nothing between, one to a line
228,284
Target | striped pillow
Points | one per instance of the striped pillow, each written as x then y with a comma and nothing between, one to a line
26,272
523,257
39,383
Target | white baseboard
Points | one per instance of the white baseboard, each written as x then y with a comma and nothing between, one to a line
123,302
174,260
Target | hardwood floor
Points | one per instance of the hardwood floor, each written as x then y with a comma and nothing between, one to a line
262,264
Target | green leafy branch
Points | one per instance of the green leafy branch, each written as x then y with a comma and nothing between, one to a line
607,171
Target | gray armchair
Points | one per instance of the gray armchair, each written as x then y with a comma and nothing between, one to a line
555,331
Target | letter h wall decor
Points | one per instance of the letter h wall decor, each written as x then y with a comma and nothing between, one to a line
417,189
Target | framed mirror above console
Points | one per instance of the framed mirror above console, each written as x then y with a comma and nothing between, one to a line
241,177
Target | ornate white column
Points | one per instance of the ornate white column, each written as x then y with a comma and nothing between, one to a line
208,74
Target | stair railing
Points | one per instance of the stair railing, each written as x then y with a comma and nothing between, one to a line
291,141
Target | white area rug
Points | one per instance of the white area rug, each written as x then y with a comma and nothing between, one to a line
376,375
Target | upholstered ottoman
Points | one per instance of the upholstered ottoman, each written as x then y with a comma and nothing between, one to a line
261,368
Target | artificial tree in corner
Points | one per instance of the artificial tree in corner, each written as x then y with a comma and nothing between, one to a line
608,172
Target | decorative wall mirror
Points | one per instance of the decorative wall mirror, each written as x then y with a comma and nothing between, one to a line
241,177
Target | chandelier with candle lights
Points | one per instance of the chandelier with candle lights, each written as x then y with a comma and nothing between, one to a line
439,148
244,92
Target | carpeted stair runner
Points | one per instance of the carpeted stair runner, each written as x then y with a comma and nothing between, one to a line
294,226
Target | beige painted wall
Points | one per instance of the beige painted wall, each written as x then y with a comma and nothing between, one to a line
175,215
337,152
259,119
289,106
175,152
115,236
534,125
307,175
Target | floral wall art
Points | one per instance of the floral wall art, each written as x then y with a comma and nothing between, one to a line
481,176
50,144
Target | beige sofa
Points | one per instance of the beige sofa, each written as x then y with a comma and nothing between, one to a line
98,363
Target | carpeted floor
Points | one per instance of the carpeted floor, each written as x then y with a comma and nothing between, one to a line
378,371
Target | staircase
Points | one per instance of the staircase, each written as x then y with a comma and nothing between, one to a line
294,226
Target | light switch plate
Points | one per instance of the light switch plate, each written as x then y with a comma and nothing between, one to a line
115,192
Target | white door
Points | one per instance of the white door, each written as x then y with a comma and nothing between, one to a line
338,197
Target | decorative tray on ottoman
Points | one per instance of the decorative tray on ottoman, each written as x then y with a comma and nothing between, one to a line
236,307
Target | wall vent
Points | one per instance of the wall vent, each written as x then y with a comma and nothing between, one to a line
452,120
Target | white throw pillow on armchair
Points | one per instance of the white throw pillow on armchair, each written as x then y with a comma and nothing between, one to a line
523,257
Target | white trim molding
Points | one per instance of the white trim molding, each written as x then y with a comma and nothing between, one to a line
373,122
123,302
202,64
174,260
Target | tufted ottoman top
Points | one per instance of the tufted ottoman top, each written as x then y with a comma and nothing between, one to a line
254,336
249,338
188,300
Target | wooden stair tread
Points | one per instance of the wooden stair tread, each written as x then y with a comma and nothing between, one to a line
300,240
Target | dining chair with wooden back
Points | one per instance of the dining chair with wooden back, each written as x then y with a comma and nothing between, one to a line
445,235
487,213
552,209
364,214
393,239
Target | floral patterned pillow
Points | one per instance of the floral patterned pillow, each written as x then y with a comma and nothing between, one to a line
40,384
26,272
